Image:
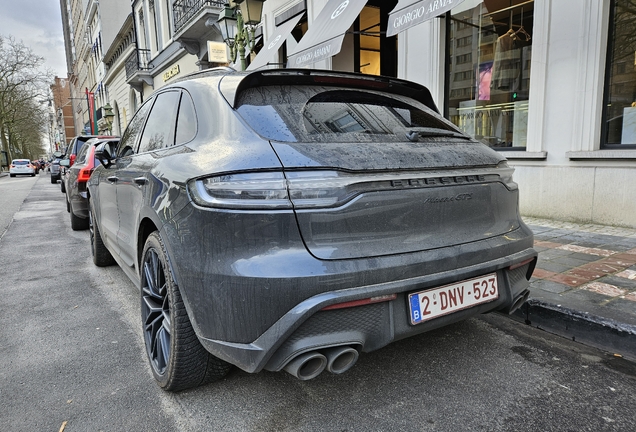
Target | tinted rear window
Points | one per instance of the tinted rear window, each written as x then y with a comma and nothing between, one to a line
20,162
327,114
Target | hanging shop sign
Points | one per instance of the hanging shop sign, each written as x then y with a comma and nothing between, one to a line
409,13
217,52
273,44
324,37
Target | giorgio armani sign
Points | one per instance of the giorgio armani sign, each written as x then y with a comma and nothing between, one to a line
410,13
325,35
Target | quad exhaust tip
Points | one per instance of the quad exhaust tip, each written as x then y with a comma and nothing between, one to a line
340,359
309,365
519,301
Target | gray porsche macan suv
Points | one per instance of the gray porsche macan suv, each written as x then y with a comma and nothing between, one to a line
292,219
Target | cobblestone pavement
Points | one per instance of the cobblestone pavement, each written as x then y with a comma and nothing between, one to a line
585,277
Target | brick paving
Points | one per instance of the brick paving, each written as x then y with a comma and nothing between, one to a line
584,285
585,257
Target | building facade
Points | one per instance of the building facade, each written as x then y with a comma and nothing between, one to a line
63,123
551,84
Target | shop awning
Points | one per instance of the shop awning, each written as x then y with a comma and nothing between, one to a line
409,13
325,35
273,43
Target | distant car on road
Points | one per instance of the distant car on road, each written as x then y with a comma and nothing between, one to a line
291,219
54,167
21,167
75,178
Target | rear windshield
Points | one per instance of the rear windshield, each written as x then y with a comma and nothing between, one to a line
21,162
329,114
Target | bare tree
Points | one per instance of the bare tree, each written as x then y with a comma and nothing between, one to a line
22,83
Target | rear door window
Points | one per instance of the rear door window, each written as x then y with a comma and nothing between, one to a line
160,127
328,114
81,156
187,121
129,139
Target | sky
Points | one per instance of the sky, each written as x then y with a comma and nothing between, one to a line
38,24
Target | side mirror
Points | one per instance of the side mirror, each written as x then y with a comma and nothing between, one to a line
65,163
103,152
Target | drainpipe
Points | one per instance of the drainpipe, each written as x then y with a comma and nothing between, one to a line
141,93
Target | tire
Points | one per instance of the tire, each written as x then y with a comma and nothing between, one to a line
68,204
62,187
77,223
177,358
11,175
101,255
53,180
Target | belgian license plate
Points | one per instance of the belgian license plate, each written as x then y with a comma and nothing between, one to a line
436,302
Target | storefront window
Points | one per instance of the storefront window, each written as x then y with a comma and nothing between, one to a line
619,116
489,64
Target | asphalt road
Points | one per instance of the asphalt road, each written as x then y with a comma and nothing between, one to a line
71,350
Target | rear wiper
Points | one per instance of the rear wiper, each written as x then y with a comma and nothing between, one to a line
413,134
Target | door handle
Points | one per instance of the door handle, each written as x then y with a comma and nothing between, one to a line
141,181
112,179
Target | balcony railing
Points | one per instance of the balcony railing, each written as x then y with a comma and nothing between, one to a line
139,60
183,10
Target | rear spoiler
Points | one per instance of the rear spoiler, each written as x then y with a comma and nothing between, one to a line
232,85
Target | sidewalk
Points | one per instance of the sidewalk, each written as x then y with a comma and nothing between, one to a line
584,285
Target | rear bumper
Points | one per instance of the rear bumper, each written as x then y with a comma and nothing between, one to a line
306,327
249,283
22,172
79,203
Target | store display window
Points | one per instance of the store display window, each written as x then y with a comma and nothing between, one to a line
489,52
619,113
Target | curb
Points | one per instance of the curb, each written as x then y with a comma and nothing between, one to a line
582,327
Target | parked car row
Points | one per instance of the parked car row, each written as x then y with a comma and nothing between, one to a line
293,219
78,167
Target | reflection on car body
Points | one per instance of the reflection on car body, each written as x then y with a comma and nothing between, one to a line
292,219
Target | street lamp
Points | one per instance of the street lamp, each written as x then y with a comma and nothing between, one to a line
107,113
238,23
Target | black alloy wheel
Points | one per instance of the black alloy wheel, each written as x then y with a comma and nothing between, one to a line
177,358
155,310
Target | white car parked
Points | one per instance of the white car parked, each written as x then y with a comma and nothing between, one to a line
21,167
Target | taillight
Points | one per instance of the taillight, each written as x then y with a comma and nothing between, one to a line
322,188
243,191
85,172
72,160
274,190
